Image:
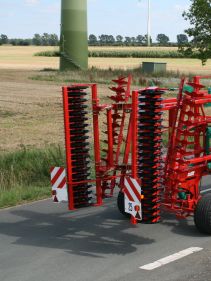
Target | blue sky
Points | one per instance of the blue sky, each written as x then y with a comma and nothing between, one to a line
23,18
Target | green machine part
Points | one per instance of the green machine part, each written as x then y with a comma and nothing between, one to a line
188,88
74,35
209,103
208,144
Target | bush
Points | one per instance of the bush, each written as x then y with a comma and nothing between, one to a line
47,54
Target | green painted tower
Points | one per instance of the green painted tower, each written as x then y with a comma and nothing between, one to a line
74,36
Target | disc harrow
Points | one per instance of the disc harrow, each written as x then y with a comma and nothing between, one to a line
130,155
150,152
77,146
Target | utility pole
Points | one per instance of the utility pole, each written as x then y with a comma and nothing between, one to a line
149,24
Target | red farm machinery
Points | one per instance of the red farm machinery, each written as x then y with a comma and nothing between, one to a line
154,149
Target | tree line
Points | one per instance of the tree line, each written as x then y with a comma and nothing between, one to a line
45,39
140,40
103,40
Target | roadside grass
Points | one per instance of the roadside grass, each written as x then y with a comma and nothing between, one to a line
25,174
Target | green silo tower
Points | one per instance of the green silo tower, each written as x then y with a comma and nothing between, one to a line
74,36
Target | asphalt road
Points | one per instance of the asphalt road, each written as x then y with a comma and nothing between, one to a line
44,242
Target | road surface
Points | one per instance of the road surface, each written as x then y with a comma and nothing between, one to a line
43,241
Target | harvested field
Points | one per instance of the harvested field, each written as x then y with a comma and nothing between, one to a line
31,113
181,65
23,58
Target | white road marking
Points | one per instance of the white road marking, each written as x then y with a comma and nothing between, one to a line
171,258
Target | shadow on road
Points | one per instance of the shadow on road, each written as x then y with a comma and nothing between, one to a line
184,227
91,234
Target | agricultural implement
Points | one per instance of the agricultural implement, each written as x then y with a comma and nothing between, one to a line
125,138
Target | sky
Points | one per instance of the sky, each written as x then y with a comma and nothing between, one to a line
24,18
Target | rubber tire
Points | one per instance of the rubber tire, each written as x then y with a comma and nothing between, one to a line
121,204
202,214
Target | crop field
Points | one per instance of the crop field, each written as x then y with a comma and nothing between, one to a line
23,58
125,48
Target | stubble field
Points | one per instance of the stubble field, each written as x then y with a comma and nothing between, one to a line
23,58
31,111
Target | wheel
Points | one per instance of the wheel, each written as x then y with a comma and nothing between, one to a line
202,214
121,204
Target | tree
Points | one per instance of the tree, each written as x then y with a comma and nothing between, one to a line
37,40
140,39
145,40
110,39
92,39
199,16
133,40
53,40
103,39
182,39
162,39
46,39
4,39
119,39
127,40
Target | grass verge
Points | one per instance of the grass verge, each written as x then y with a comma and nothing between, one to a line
25,174
104,76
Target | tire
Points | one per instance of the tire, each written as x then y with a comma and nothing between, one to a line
121,204
202,214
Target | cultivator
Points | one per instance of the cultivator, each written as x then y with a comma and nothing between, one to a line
188,156
131,155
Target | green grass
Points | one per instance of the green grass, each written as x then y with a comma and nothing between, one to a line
25,174
6,113
124,54
105,76
136,54
47,54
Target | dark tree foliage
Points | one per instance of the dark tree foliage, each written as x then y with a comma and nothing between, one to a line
127,40
162,39
105,39
20,42
182,39
4,39
145,41
199,16
119,39
140,39
37,39
92,39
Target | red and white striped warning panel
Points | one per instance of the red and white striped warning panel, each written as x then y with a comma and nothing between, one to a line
132,191
59,185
